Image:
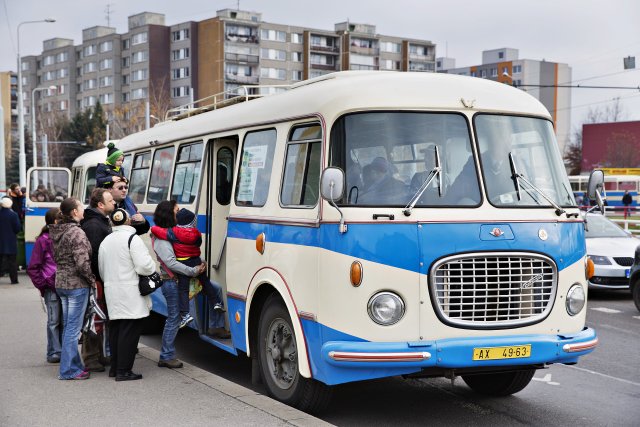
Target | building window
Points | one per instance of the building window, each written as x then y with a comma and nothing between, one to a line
25,66
125,96
273,73
364,43
106,46
89,67
89,101
180,35
49,60
505,70
63,105
296,56
139,93
322,41
62,57
139,38
296,75
500,55
62,73
138,57
89,84
126,43
278,36
49,75
390,47
483,74
317,59
106,64
389,64
125,79
125,62
180,73
62,89
178,92
296,38
180,54
275,54
89,50
138,75
418,50
106,81
517,69
106,98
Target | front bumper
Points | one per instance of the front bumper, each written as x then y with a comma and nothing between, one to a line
375,360
610,277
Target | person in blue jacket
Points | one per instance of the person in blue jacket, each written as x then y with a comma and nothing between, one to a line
110,172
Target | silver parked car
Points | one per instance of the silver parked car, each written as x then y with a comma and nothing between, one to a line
612,250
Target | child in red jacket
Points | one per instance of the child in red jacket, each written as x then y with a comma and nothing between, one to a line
186,240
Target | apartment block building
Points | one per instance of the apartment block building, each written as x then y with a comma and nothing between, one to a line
176,64
538,78
9,101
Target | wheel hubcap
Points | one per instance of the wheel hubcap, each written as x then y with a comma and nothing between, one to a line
282,358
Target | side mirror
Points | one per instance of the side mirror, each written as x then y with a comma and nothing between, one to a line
595,188
332,184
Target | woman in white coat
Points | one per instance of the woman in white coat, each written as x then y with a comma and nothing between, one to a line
119,267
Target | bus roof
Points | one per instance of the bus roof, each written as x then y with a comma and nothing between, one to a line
336,93
92,157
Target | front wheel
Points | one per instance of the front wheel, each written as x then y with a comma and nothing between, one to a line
499,384
277,351
635,292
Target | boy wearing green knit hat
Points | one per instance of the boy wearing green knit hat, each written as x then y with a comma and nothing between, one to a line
111,171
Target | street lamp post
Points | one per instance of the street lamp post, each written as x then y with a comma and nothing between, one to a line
22,158
34,133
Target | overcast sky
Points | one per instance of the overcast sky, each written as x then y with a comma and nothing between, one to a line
592,36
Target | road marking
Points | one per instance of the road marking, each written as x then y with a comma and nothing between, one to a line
602,375
605,310
546,379
636,317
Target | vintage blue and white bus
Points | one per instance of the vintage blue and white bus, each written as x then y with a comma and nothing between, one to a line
373,224
614,186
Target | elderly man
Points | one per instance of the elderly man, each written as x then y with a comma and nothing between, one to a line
96,226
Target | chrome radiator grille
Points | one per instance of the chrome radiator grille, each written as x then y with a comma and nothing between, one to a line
493,290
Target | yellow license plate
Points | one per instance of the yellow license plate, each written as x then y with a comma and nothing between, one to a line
497,353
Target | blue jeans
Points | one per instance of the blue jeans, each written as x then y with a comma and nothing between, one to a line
74,304
171,326
54,323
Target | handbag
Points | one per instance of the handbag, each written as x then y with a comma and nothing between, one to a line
147,284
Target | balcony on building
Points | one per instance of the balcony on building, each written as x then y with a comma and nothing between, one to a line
241,58
241,33
241,78
322,43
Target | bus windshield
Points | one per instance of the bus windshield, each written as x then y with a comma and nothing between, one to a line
387,156
535,156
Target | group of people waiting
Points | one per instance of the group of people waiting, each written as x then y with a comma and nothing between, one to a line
98,252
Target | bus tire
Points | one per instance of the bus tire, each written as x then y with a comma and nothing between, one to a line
278,358
635,293
499,384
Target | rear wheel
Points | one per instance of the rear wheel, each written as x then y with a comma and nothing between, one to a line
499,384
635,292
278,356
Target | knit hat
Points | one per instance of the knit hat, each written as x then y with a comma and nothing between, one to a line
186,218
6,202
113,154
119,216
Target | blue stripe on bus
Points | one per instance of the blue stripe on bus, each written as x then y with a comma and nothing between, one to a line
396,245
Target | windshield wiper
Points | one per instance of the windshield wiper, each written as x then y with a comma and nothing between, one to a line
518,176
433,173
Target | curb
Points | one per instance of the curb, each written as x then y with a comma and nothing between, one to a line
249,397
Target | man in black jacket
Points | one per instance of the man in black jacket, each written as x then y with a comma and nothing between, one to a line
96,226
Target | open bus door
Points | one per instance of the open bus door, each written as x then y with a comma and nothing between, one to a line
46,188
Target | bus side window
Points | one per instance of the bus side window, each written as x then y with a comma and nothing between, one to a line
224,175
139,175
302,167
160,173
90,183
126,166
186,176
254,175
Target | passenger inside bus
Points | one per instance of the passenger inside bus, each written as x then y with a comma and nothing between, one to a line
380,184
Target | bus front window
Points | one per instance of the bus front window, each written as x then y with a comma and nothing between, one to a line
387,156
535,155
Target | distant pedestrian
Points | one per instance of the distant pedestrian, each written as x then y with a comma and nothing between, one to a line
74,279
121,258
10,226
627,200
17,197
42,271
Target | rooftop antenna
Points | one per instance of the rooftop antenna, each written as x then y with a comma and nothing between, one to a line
108,11
238,5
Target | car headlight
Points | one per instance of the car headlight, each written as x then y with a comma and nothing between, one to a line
575,299
600,260
385,308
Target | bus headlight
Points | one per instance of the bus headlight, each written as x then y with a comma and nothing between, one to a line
575,299
385,308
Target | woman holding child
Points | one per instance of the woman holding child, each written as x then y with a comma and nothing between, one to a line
165,219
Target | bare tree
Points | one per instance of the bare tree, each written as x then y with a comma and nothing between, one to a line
159,99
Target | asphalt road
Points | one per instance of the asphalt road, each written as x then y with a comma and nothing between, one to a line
603,389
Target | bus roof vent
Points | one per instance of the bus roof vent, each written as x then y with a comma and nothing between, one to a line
224,99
